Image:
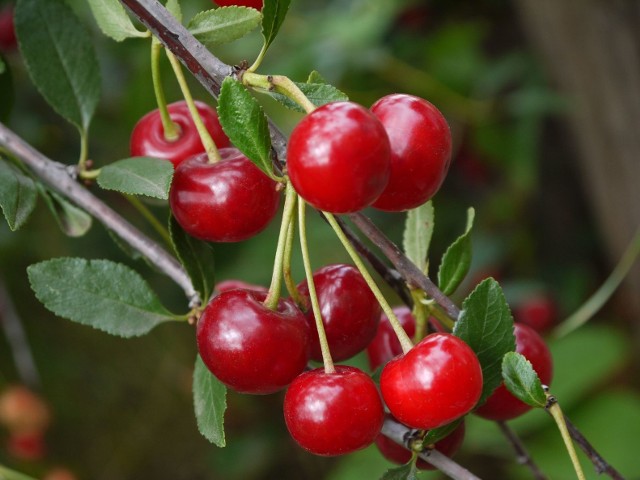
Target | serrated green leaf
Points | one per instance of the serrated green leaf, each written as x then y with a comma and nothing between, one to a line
6,90
113,20
196,257
18,195
486,325
522,380
273,15
418,229
59,55
7,474
209,402
138,176
99,293
73,221
245,123
405,472
317,93
436,434
316,77
174,8
457,259
223,25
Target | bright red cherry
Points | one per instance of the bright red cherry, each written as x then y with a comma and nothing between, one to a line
8,40
385,344
448,446
231,284
436,382
420,150
249,347
350,311
257,4
338,158
333,413
148,140
501,405
227,201
539,312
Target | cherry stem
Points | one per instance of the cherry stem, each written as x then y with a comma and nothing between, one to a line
279,84
151,218
273,296
286,268
554,410
315,305
171,129
205,136
403,338
84,150
419,312
259,58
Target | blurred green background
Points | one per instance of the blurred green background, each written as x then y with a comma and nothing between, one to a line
122,408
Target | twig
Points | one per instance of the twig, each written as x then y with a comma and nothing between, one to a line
523,456
58,177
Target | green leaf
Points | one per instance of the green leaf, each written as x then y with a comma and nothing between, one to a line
196,257
113,20
7,474
486,325
73,221
209,402
405,472
6,87
318,93
138,176
223,25
436,434
60,58
273,14
418,229
522,380
316,77
245,123
457,259
18,195
102,294
174,9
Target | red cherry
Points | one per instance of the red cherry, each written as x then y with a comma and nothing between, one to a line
26,446
147,137
539,312
501,405
338,158
385,344
227,201
8,40
420,150
448,446
333,413
226,285
257,4
249,347
23,411
436,382
350,311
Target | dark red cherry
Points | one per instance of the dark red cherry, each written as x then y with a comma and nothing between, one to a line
538,311
249,347
8,40
385,344
436,382
420,150
257,4
333,413
148,140
448,446
227,201
231,284
26,446
338,158
350,311
501,405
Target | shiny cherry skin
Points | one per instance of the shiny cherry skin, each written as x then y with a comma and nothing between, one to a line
227,201
333,413
350,311
420,150
501,405
448,446
338,158
232,284
257,4
539,312
436,382
385,344
8,41
148,140
249,347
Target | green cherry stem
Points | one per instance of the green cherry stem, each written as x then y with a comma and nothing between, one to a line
419,312
273,296
279,84
149,217
205,137
84,150
259,58
286,268
171,129
315,305
554,410
403,338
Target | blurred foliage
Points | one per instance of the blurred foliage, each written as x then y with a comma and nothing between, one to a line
123,407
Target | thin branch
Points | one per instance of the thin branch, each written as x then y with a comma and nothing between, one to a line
522,455
59,178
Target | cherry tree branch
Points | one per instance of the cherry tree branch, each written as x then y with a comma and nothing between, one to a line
61,178
522,456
